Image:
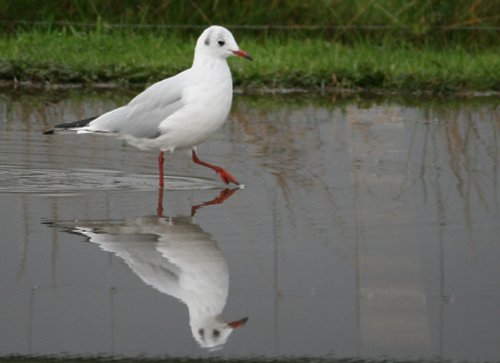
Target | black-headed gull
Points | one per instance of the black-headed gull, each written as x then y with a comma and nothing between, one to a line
179,112
177,257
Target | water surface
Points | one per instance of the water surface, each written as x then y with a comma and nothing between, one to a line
367,228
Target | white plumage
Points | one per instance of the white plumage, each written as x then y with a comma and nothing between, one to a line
176,257
179,112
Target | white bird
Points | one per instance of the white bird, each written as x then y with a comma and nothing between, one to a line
179,112
176,257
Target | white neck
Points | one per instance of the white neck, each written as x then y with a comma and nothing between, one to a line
207,62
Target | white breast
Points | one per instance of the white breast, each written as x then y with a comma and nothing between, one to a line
207,102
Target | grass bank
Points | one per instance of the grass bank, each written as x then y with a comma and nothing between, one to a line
125,57
468,21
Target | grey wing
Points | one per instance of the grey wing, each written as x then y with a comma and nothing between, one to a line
138,251
141,116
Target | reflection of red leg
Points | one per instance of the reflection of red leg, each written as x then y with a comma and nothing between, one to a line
159,208
221,198
223,174
160,168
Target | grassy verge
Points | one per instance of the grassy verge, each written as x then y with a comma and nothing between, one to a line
469,21
126,57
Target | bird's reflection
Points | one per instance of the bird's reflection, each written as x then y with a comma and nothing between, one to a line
177,257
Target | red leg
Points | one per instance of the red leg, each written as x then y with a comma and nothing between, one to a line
223,174
221,198
160,168
159,208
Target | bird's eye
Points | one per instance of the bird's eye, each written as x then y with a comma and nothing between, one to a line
221,42
201,332
216,333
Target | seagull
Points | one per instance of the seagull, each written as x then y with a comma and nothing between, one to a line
179,112
175,256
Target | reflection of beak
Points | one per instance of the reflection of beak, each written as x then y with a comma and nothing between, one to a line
237,323
242,53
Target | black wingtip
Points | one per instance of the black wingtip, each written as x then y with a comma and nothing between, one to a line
71,125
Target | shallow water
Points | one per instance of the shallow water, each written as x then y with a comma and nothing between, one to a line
366,228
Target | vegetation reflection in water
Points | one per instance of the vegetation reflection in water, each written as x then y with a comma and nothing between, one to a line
387,205
446,135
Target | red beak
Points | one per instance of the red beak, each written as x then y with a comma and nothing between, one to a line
237,323
242,53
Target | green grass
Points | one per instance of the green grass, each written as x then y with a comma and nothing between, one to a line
126,57
388,45
471,21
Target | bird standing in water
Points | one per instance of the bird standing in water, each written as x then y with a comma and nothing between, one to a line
179,112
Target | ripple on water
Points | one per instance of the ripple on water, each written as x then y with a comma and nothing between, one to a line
18,179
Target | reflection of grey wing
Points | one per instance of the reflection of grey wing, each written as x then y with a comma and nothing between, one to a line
141,116
139,252
152,267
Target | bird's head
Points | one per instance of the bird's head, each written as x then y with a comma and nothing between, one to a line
217,41
214,334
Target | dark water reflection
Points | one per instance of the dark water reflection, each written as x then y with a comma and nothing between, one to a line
367,228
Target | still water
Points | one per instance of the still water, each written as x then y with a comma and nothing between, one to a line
367,228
